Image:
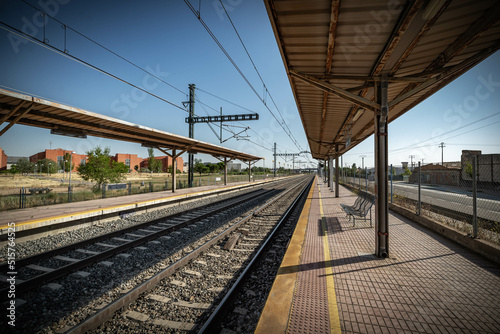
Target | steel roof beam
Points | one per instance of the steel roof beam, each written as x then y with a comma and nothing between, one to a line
340,92
15,120
11,113
368,78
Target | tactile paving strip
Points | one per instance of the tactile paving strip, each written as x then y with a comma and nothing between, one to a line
310,305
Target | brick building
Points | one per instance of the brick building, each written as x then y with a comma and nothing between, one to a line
166,162
437,174
130,160
57,155
3,160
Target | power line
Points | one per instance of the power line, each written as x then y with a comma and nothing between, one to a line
260,77
74,58
81,61
105,48
479,120
198,16
220,98
431,145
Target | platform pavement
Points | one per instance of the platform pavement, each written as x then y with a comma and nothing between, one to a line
428,284
44,213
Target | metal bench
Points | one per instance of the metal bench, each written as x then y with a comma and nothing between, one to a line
361,207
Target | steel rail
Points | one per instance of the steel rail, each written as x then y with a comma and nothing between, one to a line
222,308
83,243
107,312
39,280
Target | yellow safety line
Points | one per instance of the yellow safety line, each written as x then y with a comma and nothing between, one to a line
29,222
330,284
278,308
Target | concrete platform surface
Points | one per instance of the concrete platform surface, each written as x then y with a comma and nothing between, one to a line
60,213
428,284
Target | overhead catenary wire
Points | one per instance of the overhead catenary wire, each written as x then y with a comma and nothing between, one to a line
37,41
418,145
105,48
81,61
221,47
138,67
265,90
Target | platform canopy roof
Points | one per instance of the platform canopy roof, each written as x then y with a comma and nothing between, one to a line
335,51
18,108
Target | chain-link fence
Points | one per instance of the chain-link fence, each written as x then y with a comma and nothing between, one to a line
465,197
26,197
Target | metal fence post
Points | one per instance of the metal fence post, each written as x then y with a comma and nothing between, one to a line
419,188
166,185
70,191
104,190
366,178
130,188
150,187
474,197
392,193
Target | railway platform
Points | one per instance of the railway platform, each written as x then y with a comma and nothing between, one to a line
58,216
329,281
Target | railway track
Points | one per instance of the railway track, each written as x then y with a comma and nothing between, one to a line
193,293
167,240
42,268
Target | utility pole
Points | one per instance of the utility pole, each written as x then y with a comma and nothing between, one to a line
274,160
362,161
442,146
191,120
191,135
412,157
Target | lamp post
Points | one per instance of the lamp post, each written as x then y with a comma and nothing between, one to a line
48,168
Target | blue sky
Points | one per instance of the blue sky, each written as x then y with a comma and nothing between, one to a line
167,39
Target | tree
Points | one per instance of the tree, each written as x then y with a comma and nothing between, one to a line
24,166
153,165
407,171
468,168
199,167
101,169
66,163
47,165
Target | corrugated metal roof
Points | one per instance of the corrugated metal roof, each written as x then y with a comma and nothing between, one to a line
331,48
73,121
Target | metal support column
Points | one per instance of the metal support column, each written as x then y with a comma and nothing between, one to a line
337,172
274,160
324,164
330,166
474,197
225,171
381,161
341,165
191,135
419,203
174,169
249,171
